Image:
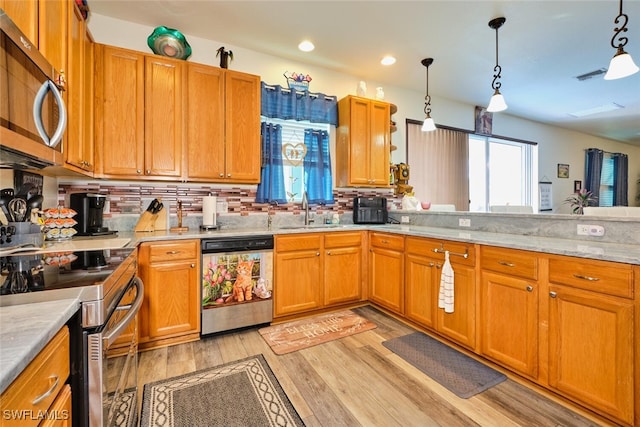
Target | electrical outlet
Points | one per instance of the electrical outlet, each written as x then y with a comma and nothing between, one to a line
404,219
596,230
464,222
582,230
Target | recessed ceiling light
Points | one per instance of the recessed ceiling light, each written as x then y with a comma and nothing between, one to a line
306,46
597,110
388,60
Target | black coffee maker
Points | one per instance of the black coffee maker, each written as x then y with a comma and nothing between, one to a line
89,208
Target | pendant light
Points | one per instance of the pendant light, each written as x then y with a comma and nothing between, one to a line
428,124
622,64
497,102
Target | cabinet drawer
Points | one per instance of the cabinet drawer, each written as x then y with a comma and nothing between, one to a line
599,276
389,241
37,386
512,262
298,242
340,240
172,251
428,247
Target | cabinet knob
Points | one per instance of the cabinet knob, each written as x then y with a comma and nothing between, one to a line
317,253
328,252
431,264
529,288
553,294
193,265
221,175
148,171
138,171
228,175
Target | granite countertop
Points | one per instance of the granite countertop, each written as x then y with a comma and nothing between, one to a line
25,330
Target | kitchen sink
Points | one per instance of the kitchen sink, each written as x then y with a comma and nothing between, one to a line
312,226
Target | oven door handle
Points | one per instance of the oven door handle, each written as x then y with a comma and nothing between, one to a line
109,338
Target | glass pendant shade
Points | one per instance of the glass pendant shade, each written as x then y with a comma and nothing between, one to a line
621,65
497,103
428,125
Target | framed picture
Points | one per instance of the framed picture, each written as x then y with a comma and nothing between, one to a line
546,196
577,186
563,170
22,178
484,121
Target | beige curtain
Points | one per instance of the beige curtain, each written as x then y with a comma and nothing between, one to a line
439,166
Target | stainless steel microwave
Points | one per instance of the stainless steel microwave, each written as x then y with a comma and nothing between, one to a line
32,111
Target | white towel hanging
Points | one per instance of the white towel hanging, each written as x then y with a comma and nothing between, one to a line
445,297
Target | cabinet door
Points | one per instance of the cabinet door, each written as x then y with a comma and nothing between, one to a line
379,144
205,123
163,117
23,13
298,283
242,127
342,273
119,112
52,31
460,325
359,142
590,356
421,289
509,319
387,267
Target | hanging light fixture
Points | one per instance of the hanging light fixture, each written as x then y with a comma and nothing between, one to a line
497,100
428,124
622,64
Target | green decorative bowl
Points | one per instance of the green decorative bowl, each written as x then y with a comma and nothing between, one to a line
169,42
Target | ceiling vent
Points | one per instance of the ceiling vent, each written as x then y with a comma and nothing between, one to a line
591,74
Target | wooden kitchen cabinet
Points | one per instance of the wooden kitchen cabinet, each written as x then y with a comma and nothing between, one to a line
138,111
23,13
343,273
422,287
363,143
386,266
591,331
509,308
170,311
222,125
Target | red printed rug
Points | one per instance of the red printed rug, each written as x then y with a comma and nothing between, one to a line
299,334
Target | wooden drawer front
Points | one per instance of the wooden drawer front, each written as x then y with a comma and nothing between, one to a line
37,386
340,240
389,241
298,242
509,261
428,247
172,251
599,276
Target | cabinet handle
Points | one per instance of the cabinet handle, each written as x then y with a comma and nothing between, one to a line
148,171
172,252
48,392
438,266
221,175
328,252
506,263
529,288
138,171
591,279
193,265
431,264
317,253
384,241
228,175
553,294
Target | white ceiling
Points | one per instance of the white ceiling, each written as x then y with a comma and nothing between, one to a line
544,45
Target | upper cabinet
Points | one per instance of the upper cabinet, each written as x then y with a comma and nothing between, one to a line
363,143
24,14
222,125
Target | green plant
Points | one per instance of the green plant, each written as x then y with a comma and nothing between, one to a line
580,200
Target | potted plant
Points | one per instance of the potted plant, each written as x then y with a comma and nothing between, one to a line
580,200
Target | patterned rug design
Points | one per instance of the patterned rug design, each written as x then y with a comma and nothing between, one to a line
126,412
457,372
244,393
299,334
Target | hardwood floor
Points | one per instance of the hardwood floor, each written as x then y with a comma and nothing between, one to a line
356,381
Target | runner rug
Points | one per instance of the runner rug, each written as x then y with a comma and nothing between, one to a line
240,393
458,372
299,334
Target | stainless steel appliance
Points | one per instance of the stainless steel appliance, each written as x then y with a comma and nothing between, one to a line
236,282
32,112
110,295
370,210
90,210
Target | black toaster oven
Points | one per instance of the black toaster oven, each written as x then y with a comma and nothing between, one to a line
370,210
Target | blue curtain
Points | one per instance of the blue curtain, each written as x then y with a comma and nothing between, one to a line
271,188
593,171
620,179
287,104
317,167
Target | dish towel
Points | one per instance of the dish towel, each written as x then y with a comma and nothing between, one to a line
445,297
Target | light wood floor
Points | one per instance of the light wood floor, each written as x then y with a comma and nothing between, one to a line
356,381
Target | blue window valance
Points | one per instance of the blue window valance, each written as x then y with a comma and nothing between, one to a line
289,104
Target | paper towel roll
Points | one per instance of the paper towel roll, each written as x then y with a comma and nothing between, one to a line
209,210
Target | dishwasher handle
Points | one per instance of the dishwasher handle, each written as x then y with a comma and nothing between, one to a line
133,309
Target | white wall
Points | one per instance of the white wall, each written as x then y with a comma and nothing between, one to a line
555,145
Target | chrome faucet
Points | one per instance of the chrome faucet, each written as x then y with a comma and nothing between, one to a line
305,206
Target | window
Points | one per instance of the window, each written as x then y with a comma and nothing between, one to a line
606,181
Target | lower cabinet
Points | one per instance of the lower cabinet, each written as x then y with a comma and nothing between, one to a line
424,259
317,270
386,267
170,312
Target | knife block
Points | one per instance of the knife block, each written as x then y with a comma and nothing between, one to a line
146,222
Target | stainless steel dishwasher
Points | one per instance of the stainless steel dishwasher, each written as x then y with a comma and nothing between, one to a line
237,276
